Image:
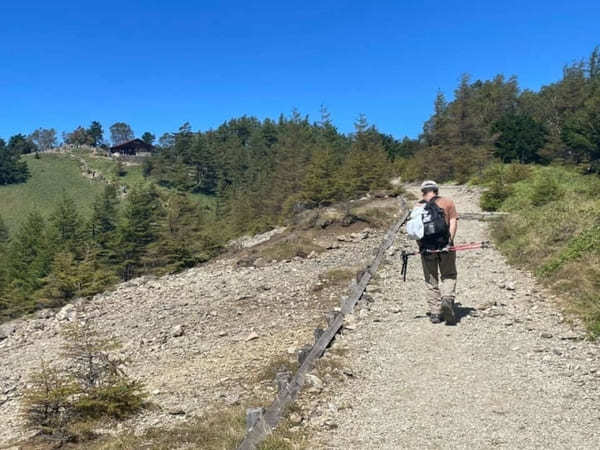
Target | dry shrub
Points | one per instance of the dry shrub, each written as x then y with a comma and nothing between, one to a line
63,404
335,277
289,249
221,431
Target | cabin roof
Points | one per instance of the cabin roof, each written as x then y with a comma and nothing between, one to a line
137,144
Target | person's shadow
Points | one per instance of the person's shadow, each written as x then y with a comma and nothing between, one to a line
461,311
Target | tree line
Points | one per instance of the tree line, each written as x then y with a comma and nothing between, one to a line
259,173
256,173
495,119
48,261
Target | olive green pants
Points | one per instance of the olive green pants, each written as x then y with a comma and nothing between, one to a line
439,270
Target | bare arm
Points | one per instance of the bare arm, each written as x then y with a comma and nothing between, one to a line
453,228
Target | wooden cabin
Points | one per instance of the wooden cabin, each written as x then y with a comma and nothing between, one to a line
132,148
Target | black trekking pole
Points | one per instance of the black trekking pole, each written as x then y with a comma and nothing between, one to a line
405,256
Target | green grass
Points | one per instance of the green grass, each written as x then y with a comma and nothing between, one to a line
133,176
50,176
106,166
554,231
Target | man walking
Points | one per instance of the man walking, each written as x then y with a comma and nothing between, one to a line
440,221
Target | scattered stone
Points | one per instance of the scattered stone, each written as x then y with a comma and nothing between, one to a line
6,331
177,411
177,331
45,314
350,322
295,419
252,336
546,335
67,312
314,381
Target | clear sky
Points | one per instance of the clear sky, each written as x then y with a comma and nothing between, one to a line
156,64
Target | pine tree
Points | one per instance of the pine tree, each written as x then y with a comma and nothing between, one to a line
66,226
63,282
181,242
319,184
203,159
30,255
137,229
366,167
103,224
70,278
12,168
93,275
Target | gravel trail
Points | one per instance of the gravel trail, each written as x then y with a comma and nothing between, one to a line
512,374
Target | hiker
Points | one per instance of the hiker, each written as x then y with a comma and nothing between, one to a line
439,223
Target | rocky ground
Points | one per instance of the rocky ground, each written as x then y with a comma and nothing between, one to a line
512,374
204,339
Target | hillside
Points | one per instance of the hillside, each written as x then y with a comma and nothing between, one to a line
51,174
208,342
209,339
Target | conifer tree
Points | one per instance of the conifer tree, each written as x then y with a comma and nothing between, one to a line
70,278
366,167
180,242
320,183
30,255
12,168
103,224
66,226
137,229
62,283
93,275
203,159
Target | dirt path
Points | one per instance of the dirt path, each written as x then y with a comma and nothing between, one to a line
511,374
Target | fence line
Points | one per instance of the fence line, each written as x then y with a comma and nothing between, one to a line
260,422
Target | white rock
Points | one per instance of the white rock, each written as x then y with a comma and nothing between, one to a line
67,312
314,381
252,336
177,331
6,331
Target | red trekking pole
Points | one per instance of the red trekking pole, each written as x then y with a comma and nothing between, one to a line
454,248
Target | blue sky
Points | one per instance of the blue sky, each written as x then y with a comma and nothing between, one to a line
157,64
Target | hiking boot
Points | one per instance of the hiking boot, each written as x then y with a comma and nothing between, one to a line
447,311
435,318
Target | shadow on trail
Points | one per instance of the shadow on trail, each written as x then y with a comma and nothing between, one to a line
463,311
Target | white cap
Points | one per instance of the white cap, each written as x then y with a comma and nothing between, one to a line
429,184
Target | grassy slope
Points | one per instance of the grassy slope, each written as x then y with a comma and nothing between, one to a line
133,175
50,175
554,231
53,173
106,166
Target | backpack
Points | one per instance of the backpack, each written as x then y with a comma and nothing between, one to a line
436,232
414,226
